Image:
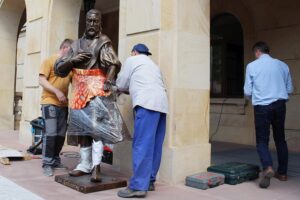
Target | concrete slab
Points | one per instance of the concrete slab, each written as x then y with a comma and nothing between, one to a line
10,190
28,174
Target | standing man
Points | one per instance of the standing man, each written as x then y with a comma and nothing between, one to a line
268,83
54,109
142,79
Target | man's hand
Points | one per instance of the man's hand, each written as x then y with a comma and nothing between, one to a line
81,57
61,97
122,92
47,86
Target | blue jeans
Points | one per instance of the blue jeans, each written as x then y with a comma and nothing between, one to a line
273,114
149,133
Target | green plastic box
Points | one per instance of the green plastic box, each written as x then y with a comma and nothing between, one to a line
236,172
205,180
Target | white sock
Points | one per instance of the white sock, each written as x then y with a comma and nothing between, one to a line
85,164
97,152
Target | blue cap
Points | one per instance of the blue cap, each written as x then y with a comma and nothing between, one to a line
141,48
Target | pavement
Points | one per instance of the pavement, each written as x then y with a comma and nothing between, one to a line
26,178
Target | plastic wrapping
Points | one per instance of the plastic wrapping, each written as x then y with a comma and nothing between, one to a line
100,119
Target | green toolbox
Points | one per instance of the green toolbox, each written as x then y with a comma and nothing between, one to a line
236,172
205,180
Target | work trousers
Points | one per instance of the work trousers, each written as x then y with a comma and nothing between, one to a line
149,133
55,131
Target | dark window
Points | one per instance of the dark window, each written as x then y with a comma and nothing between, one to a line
227,57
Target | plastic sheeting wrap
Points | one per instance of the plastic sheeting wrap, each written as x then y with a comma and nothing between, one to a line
100,119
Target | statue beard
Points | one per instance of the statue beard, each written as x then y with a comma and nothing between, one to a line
92,32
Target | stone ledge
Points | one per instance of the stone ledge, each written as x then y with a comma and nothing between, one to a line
229,101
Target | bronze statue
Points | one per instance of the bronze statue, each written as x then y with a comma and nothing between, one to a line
94,118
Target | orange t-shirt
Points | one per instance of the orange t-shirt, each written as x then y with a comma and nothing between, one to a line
47,69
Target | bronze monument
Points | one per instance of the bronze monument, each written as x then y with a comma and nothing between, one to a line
94,118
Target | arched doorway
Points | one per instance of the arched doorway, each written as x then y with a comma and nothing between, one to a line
10,16
227,57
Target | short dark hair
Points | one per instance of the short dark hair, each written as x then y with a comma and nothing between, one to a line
261,46
67,42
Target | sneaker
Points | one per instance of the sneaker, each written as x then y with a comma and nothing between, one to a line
60,166
266,179
128,193
151,186
48,171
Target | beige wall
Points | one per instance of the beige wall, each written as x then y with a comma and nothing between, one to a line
280,29
21,45
10,15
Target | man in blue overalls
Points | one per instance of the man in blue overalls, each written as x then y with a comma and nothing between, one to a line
142,79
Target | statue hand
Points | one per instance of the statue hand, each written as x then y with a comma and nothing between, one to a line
81,57
107,86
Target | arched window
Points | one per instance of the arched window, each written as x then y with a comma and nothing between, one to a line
227,57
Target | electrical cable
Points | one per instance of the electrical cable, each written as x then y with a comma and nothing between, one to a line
219,121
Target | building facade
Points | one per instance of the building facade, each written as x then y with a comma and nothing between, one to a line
202,47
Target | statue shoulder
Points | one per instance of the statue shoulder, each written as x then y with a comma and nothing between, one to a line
104,38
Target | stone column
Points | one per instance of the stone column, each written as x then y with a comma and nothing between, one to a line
10,14
178,34
36,34
47,26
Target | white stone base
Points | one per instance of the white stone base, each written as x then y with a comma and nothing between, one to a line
7,122
179,162
122,157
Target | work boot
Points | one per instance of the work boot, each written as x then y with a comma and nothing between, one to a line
129,193
48,171
96,175
151,186
266,179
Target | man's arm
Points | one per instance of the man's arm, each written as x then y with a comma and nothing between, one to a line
47,86
123,79
289,84
248,84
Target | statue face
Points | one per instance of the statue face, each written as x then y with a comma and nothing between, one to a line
93,24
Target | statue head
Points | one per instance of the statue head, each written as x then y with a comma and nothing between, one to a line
93,23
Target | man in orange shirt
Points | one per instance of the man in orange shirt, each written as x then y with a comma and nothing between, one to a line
54,103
